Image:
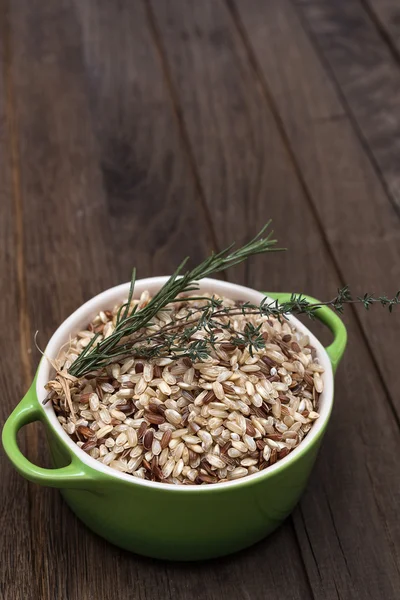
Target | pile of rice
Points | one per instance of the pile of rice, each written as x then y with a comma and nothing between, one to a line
205,422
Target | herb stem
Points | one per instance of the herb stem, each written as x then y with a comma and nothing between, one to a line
129,321
179,337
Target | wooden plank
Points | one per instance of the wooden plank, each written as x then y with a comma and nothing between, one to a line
367,73
334,170
62,266
247,172
243,166
126,30
152,200
81,235
386,16
16,573
338,175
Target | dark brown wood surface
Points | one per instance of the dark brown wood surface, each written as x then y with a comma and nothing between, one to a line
135,133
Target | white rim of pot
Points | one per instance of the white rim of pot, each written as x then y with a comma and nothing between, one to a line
79,319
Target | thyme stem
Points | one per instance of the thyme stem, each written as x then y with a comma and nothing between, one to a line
179,338
95,356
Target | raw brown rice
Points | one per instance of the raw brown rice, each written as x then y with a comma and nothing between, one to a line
206,422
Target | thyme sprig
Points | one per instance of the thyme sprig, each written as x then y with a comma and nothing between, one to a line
195,334
128,322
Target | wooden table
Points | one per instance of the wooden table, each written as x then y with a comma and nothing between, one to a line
135,133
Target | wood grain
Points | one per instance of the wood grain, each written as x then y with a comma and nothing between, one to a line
386,16
137,133
73,237
61,267
243,166
16,543
151,197
195,68
368,75
177,192
240,166
339,177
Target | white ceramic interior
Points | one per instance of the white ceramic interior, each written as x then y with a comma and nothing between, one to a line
107,300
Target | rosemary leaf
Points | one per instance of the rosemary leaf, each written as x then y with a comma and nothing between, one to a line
129,322
178,338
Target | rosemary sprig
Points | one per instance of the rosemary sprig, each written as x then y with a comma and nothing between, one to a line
94,357
178,339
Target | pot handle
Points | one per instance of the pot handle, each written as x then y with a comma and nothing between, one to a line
28,411
328,317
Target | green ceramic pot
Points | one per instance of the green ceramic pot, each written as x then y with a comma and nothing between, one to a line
160,520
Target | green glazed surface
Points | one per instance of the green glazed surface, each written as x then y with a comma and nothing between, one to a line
168,522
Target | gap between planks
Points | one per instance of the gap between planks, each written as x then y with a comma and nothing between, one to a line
380,27
300,552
